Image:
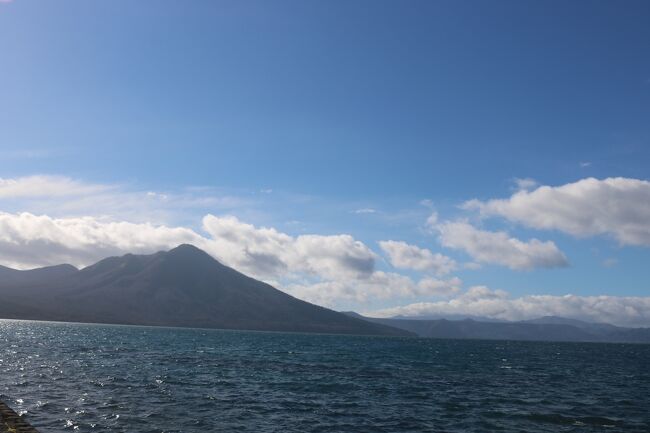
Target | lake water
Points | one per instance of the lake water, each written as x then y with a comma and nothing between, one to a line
135,379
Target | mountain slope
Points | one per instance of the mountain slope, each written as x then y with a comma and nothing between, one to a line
182,287
10,278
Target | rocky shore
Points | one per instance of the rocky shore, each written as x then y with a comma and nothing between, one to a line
10,422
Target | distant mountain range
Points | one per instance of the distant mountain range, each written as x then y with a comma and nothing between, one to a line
186,287
543,329
182,287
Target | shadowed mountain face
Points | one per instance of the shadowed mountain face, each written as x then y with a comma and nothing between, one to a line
182,287
12,277
542,329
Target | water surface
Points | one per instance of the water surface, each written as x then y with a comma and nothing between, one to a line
136,379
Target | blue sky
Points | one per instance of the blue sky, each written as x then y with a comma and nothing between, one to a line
332,118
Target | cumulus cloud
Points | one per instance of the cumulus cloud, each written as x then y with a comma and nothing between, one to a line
28,241
322,269
435,287
328,270
525,184
379,285
406,256
499,248
266,252
481,301
319,268
618,207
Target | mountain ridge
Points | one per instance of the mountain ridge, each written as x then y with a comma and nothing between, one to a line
548,328
182,287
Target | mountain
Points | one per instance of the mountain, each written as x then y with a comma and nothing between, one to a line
450,317
182,287
555,320
12,277
543,329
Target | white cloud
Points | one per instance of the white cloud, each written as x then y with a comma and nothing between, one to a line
618,207
405,256
47,186
328,270
499,248
433,219
323,269
266,252
481,301
28,241
157,195
435,287
63,196
379,285
364,210
476,293
525,184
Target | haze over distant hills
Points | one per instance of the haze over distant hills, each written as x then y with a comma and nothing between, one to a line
549,328
182,287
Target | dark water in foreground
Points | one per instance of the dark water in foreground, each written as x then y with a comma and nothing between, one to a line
107,378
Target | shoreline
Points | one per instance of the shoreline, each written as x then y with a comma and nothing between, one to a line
11,422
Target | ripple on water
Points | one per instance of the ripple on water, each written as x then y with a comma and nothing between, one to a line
108,378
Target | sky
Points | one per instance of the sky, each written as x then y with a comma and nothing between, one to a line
421,158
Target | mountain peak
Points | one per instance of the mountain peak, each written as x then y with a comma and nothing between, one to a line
184,286
189,252
187,247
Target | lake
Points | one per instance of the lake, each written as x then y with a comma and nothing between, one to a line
75,377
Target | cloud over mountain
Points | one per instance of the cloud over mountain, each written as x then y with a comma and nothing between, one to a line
319,268
378,286
496,304
335,270
269,253
28,241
